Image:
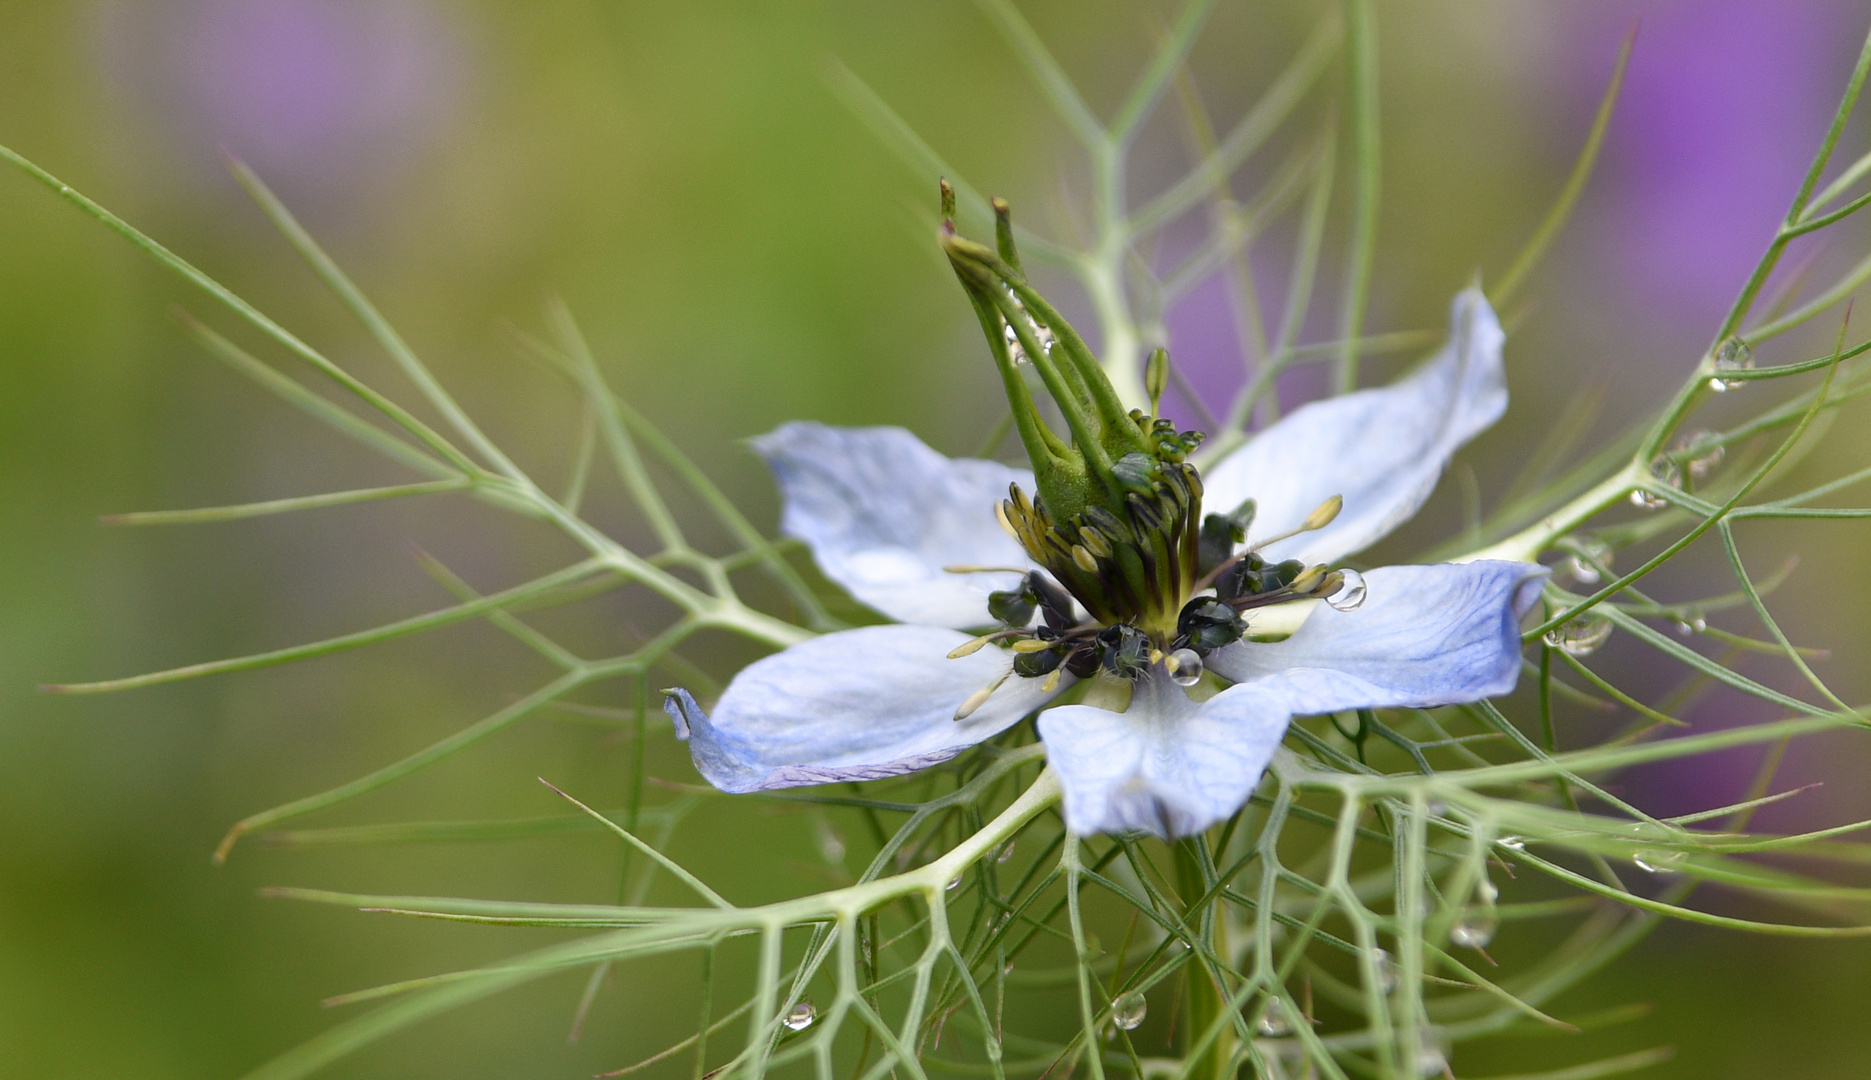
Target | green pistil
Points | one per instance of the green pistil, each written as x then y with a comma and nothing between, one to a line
1117,517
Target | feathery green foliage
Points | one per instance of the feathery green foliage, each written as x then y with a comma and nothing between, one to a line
1338,925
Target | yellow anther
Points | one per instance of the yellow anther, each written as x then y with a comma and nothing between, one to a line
1318,519
978,699
1028,645
1323,516
1308,578
1086,560
1095,542
1052,681
1000,515
970,647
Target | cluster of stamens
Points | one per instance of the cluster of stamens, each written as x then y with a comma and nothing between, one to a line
1092,556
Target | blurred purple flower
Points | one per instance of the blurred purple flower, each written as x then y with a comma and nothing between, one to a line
307,89
1721,111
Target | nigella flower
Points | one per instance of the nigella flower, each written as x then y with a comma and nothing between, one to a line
1153,618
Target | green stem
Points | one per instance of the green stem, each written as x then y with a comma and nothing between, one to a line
1205,999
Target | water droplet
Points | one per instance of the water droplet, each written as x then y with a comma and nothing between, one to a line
1485,890
1474,929
1185,667
1589,553
1129,1010
1007,968
1431,1062
831,845
1578,570
1667,473
1733,355
1436,808
1658,862
1580,636
953,883
1006,852
1388,971
1351,594
1693,623
800,1016
1701,452
1512,843
1041,332
1274,1023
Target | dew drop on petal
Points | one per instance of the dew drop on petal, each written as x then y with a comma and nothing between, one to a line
1580,636
800,1016
1274,1023
1128,1011
1351,594
1474,930
1185,667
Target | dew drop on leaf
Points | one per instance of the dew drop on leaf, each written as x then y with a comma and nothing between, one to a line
800,1016
1733,355
1274,1023
1129,1010
1580,636
1388,972
1658,862
1474,930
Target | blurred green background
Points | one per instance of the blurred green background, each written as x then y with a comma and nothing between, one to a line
740,251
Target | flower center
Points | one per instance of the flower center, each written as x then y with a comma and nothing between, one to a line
1155,586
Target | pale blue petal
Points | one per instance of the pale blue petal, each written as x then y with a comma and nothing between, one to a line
1382,449
884,514
1167,765
855,705
1425,635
